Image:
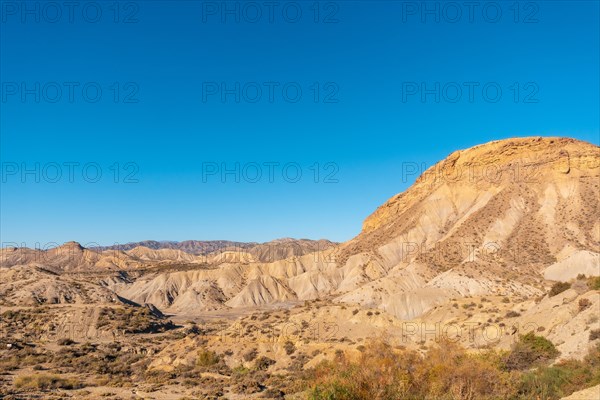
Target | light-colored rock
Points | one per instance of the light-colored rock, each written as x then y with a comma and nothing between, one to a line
592,393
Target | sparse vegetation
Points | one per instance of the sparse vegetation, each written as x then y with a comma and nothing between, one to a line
558,288
449,373
44,382
131,320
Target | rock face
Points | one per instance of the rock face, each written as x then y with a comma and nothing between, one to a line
488,219
508,179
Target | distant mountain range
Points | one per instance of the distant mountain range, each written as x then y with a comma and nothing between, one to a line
196,247
268,251
71,256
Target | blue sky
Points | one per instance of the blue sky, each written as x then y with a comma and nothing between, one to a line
160,97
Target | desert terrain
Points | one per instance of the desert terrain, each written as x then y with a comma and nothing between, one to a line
480,281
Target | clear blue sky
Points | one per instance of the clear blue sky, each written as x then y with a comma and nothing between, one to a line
161,67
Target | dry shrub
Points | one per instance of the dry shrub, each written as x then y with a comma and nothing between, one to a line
594,283
207,358
584,304
44,382
289,347
558,288
263,363
250,355
381,373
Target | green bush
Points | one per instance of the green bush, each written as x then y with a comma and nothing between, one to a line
562,379
332,391
530,351
544,383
